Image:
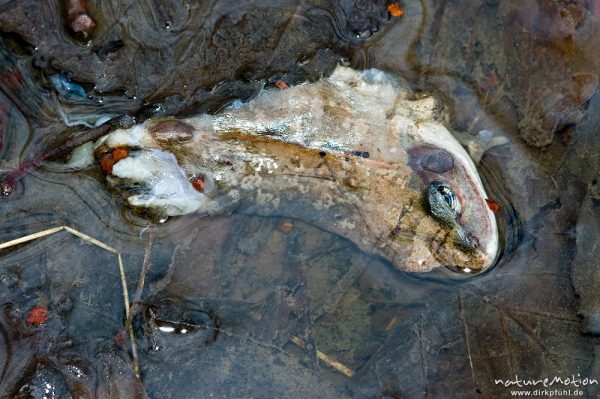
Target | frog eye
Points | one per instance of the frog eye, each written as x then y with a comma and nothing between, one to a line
449,197
443,202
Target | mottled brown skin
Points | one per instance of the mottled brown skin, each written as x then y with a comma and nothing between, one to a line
376,204
354,155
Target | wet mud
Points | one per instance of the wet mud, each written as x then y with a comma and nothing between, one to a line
242,305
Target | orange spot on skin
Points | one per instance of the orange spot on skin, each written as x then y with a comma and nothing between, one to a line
493,205
106,163
119,153
198,183
281,84
395,10
37,316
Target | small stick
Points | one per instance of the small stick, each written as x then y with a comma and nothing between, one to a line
7,181
89,239
118,122
137,297
124,284
31,237
136,362
554,181
144,271
326,359
128,327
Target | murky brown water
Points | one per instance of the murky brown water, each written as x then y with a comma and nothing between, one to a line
243,306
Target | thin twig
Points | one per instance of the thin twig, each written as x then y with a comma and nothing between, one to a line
128,328
326,359
145,267
122,121
124,285
91,240
136,362
31,237
136,300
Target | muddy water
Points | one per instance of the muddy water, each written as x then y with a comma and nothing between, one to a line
243,306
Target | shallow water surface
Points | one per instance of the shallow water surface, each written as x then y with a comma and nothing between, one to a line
246,306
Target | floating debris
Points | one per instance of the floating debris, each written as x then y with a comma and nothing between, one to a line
325,359
493,205
66,88
36,316
395,10
80,21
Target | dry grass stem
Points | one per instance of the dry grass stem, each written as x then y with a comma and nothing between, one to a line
31,237
326,359
89,239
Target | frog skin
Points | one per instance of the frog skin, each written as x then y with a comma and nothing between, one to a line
358,154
